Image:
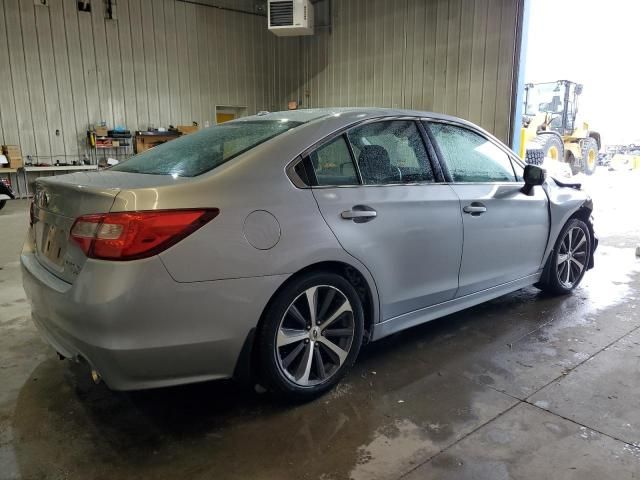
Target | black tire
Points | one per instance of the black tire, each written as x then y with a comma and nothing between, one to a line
275,376
574,164
534,156
552,281
589,148
2,204
546,143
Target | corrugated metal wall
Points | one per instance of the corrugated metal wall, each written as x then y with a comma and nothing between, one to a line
169,62
161,62
450,56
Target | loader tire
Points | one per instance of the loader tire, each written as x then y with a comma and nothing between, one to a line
550,145
534,156
589,155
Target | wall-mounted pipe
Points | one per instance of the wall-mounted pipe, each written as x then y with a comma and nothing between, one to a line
221,7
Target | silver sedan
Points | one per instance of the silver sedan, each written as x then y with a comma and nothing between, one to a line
272,247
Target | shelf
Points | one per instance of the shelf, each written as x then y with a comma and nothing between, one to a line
8,170
61,168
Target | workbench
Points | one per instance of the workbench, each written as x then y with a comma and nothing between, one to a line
146,140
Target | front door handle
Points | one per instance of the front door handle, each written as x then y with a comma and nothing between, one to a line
475,209
359,214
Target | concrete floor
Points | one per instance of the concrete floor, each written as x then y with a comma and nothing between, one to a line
526,386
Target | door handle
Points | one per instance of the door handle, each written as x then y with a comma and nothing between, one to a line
475,209
359,214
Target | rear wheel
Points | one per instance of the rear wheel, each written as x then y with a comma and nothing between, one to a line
310,336
569,259
589,155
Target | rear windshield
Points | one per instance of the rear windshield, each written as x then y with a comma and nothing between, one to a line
202,151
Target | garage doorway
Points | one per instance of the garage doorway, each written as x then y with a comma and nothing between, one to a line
226,113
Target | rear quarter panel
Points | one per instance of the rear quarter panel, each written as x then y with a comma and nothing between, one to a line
256,181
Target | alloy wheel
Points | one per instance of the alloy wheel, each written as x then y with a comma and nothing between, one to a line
315,335
572,257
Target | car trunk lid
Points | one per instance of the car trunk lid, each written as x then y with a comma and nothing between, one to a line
59,201
56,205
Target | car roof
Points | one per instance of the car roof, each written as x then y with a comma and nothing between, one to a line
310,114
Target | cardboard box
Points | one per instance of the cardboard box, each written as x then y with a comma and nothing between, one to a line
102,131
187,129
14,155
15,162
12,150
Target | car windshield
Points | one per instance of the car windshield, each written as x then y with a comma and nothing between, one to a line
202,151
545,98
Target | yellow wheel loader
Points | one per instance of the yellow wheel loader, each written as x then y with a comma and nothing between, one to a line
550,130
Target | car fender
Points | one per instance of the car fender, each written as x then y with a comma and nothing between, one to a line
564,202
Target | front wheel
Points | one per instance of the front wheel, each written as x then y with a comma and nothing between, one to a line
569,260
310,336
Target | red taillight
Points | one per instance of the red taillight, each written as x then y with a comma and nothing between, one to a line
133,235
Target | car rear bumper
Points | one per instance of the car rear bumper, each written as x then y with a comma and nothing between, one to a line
138,328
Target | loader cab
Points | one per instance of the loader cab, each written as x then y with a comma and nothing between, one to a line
555,102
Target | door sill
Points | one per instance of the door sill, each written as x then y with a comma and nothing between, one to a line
438,310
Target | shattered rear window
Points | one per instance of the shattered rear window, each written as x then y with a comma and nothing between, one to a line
195,154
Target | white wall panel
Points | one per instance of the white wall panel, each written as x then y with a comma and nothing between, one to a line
164,62
8,118
449,56
160,62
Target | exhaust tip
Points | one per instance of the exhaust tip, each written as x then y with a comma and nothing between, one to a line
95,376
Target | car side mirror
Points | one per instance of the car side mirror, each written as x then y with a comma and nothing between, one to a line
533,175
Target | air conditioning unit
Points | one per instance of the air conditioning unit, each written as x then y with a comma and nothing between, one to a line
288,18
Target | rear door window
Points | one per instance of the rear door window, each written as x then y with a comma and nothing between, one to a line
390,152
333,165
470,157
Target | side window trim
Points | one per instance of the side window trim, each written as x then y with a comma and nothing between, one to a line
432,155
447,178
508,153
311,173
353,158
515,160
431,148
297,180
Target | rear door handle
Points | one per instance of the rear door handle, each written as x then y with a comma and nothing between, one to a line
475,209
360,214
